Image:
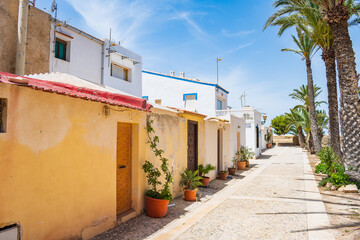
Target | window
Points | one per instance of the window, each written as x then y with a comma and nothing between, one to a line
218,104
3,115
119,72
190,101
247,116
158,101
60,49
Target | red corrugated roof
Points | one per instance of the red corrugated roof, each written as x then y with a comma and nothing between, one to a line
188,112
77,92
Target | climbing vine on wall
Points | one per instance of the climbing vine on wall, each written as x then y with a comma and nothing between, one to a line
153,173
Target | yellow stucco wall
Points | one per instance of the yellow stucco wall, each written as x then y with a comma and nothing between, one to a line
58,164
58,161
171,127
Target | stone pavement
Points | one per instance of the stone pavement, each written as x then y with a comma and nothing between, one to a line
278,199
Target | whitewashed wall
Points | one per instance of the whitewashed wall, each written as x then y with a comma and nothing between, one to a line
250,126
84,59
211,152
171,91
134,85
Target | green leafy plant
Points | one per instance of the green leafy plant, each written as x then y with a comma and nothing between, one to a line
203,170
246,153
190,180
152,173
268,136
329,165
235,160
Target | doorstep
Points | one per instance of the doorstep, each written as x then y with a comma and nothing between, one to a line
125,216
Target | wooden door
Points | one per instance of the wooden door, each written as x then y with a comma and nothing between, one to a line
238,146
123,166
192,163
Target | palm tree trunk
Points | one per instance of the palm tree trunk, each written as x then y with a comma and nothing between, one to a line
349,112
313,117
328,56
301,137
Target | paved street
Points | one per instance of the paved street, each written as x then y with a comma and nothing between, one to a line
278,199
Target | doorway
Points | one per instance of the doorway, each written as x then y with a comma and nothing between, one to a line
123,167
192,163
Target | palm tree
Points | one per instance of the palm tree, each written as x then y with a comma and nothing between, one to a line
295,124
308,17
336,14
302,95
323,121
307,49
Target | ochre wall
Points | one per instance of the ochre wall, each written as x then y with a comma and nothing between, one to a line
172,131
38,38
58,164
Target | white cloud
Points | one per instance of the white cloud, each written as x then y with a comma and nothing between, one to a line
241,46
128,19
185,16
226,33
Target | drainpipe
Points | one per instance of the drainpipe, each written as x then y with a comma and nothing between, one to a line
102,61
21,37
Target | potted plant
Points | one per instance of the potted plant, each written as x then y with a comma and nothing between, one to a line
245,155
223,175
203,170
190,181
268,138
232,170
157,200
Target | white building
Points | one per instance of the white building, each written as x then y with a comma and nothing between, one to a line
255,136
100,61
201,97
185,93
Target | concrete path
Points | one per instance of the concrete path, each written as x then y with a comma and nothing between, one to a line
278,199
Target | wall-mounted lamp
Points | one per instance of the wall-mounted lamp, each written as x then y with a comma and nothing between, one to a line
106,111
264,118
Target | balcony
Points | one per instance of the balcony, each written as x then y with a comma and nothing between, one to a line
236,112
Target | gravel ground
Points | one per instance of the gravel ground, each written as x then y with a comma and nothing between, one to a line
143,226
271,205
268,207
343,209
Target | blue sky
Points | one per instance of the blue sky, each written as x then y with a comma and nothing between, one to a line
188,36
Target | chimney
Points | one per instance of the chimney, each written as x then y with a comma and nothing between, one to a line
172,73
182,74
22,36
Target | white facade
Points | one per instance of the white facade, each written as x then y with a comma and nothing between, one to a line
254,135
236,138
183,93
92,59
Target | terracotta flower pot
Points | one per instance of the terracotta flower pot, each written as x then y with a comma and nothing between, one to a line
232,171
223,175
268,145
241,165
156,208
205,181
247,163
190,195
